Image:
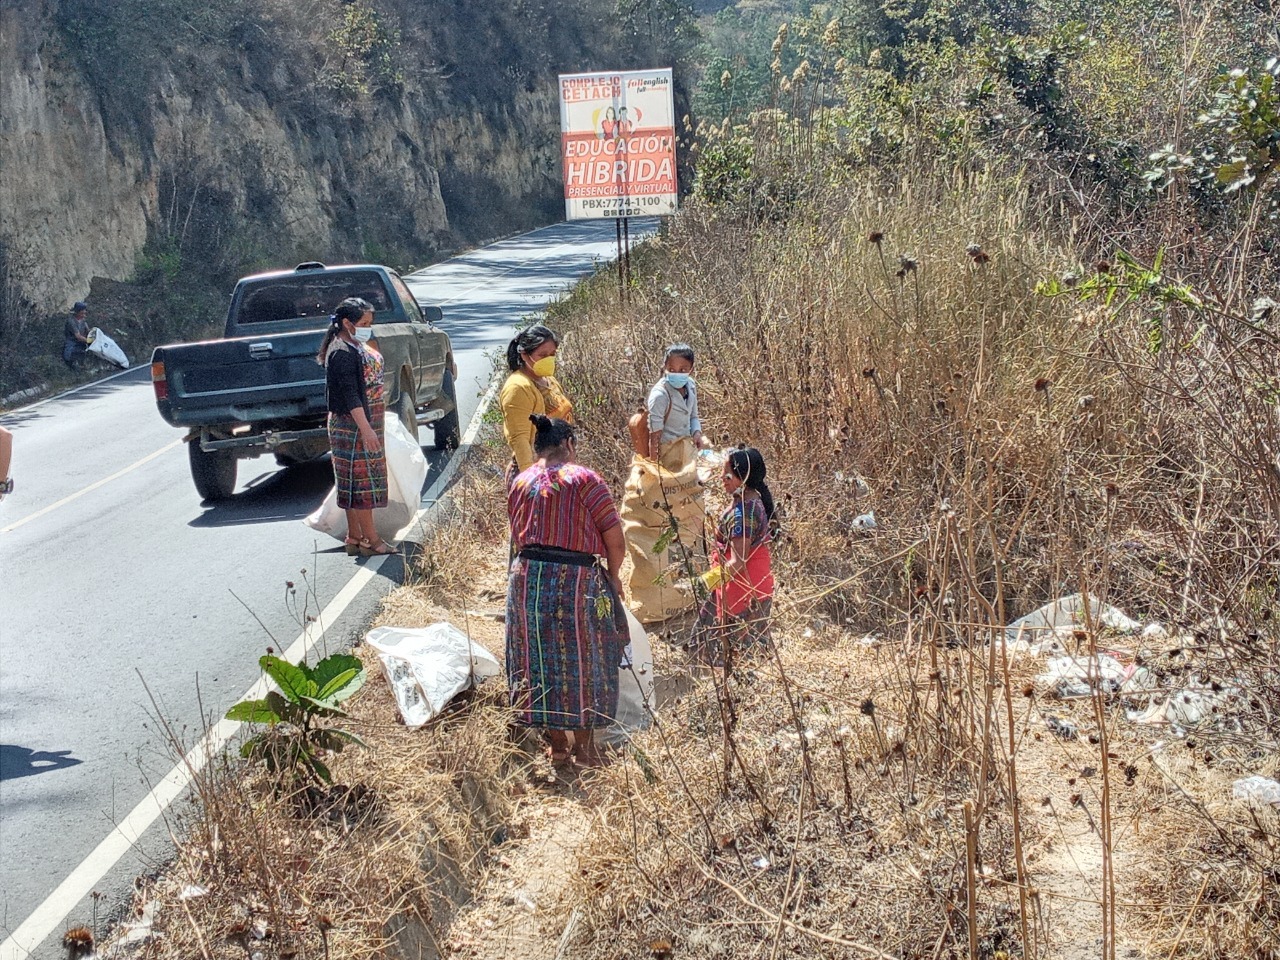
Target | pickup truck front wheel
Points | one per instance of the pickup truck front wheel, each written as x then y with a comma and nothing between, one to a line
448,433
214,472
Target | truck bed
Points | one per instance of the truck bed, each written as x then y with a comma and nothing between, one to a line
243,380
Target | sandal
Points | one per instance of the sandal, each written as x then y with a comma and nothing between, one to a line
379,549
6,487
352,547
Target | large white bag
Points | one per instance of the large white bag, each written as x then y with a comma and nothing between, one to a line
636,680
106,348
426,667
406,472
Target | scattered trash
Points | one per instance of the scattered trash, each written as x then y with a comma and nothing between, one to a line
1155,631
1071,678
142,929
1046,628
1260,790
191,891
1188,707
865,522
1063,729
426,667
760,863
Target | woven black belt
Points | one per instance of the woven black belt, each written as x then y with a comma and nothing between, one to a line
557,555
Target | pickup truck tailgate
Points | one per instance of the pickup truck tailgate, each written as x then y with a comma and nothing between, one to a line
241,380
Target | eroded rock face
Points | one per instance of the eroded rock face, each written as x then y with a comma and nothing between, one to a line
71,204
82,189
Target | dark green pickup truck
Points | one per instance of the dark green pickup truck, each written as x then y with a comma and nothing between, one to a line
260,390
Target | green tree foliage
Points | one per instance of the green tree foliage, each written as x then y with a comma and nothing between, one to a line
1082,92
366,54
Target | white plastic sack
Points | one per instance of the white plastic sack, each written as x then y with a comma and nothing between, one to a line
406,472
636,680
106,348
1046,628
426,667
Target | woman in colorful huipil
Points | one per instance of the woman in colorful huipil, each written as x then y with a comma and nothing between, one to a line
735,617
566,627
353,384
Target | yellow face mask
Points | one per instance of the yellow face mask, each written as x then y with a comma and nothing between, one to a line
546,367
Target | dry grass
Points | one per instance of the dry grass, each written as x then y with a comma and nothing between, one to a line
1017,447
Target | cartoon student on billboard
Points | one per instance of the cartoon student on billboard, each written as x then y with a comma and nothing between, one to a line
625,126
609,125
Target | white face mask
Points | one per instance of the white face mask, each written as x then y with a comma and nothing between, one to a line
364,334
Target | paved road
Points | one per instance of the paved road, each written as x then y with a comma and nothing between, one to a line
115,580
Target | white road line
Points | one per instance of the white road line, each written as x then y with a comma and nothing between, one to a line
89,489
80,882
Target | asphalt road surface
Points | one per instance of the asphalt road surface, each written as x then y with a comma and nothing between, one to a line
117,587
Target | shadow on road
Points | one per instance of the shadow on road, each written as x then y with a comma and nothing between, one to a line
18,762
290,493
287,494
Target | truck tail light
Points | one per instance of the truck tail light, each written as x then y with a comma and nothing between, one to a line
158,381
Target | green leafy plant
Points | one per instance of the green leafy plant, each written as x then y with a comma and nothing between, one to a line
293,741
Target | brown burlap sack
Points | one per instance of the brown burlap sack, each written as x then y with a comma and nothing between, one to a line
662,521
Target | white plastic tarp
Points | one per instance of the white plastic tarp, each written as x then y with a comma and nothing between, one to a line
106,348
426,667
406,472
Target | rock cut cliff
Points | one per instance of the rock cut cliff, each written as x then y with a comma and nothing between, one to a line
262,133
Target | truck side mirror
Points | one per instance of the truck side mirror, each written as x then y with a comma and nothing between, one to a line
433,314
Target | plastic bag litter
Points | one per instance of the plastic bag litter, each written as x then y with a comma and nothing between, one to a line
406,472
106,348
1260,790
1045,629
1184,708
1062,729
426,667
636,680
1072,677
865,522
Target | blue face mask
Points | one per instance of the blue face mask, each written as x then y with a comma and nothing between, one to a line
678,380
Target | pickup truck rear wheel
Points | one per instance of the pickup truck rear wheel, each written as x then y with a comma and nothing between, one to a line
448,434
214,472
408,413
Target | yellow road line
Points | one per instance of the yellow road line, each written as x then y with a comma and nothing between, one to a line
89,489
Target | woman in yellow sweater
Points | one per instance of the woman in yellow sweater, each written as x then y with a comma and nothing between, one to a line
530,389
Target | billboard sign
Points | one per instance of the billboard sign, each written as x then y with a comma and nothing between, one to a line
618,141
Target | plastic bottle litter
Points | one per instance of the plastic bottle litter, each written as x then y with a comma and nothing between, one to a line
1261,790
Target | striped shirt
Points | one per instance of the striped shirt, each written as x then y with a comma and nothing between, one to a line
565,506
